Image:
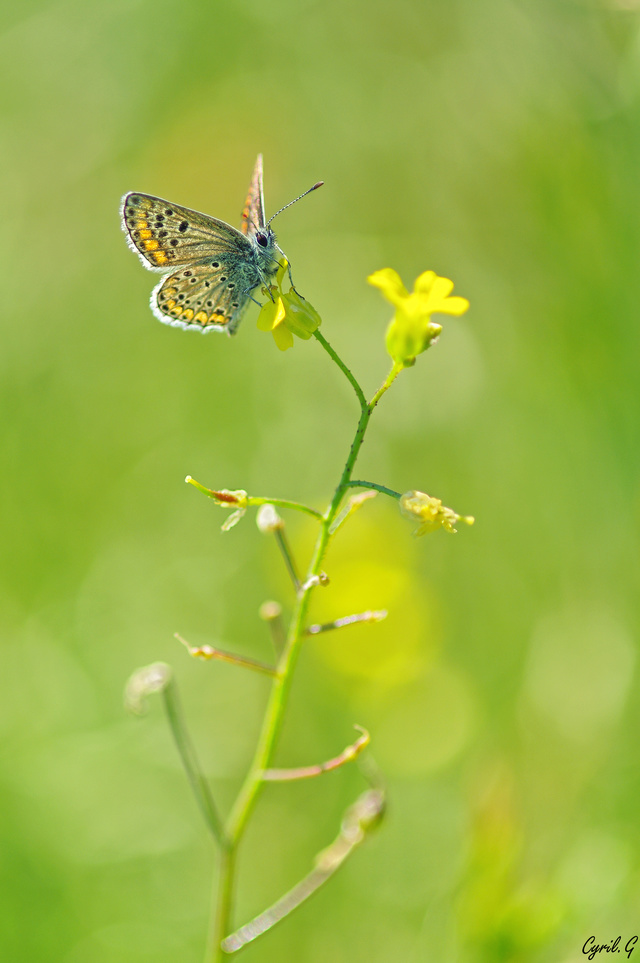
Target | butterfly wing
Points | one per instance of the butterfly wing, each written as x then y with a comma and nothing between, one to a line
219,266
201,297
166,236
253,213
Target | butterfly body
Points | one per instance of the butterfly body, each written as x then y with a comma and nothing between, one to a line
211,267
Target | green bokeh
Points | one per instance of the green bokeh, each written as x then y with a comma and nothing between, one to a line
494,141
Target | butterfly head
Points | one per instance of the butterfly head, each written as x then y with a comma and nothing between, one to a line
265,247
265,238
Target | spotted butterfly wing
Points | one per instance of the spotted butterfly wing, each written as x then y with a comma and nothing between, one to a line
253,219
166,235
219,265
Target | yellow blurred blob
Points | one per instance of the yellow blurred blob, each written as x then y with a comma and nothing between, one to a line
369,570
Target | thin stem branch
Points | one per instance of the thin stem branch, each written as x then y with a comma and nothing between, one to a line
285,503
285,551
241,499
222,906
208,652
307,772
375,487
187,753
358,821
271,613
370,616
386,384
338,360
353,504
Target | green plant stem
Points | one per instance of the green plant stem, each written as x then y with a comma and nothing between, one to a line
370,616
189,759
222,903
377,488
338,360
230,500
278,699
386,384
208,652
285,503
281,686
285,551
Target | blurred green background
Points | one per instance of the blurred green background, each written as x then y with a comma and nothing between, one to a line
494,141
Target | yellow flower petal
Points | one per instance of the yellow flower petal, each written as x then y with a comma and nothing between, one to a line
424,282
441,288
455,306
282,270
437,291
271,314
282,337
390,283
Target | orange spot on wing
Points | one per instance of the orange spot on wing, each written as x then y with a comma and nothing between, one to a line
151,245
188,314
201,317
160,257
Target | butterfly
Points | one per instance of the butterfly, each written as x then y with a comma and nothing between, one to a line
214,267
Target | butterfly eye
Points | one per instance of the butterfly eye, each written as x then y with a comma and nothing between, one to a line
261,239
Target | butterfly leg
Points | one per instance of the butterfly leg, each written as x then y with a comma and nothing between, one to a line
266,286
292,284
290,274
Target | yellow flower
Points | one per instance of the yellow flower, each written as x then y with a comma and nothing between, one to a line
430,513
412,331
286,313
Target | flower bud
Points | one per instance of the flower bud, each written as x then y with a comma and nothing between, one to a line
269,611
286,313
144,682
268,520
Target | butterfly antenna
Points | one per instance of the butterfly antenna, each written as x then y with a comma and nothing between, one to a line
314,188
